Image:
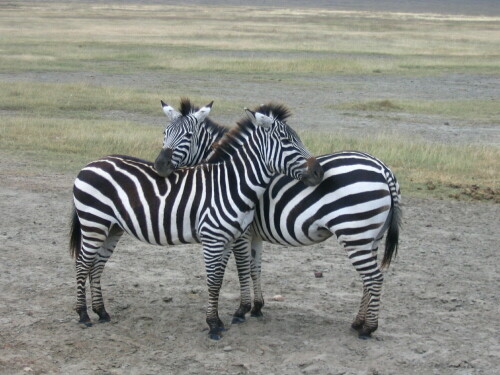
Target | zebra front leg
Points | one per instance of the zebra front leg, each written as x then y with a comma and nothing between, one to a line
241,250
102,257
256,266
214,265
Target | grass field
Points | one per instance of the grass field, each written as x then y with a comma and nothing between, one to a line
48,122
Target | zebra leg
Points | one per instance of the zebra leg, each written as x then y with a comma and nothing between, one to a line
82,270
92,239
214,265
256,264
360,319
241,250
102,257
365,263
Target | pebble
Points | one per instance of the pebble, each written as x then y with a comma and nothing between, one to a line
278,297
227,348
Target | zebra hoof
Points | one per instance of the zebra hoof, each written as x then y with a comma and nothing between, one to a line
256,314
104,319
238,320
103,316
357,326
214,336
366,333
84,318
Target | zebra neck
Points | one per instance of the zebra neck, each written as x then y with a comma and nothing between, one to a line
208,146
242,174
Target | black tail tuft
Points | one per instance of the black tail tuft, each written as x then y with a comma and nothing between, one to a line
75,236
392,240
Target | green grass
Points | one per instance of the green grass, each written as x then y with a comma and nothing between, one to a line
418,163
66,145
121,38
472,110
85,101
48,123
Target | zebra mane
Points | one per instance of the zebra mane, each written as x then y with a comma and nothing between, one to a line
277,111
232,139
187,108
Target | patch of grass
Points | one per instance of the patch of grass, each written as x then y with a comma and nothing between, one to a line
416,162
474,110
62,126
68,145
118,38
85,101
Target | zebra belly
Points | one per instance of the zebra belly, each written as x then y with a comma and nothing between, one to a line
316,237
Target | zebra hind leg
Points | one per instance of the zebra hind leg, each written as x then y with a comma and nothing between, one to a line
366,321
102,257
83,265
360,319
91,240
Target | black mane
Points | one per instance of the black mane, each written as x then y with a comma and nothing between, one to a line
230,141
187,108
274,110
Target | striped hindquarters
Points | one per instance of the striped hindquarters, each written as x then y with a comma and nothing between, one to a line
352,202
125,191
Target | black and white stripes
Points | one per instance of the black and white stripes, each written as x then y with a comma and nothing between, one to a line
358,201
212,203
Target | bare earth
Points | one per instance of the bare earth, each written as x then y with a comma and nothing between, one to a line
439,312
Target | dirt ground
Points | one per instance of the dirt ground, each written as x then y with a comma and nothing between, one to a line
439,308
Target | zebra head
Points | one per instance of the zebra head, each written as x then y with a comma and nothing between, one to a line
181,135
284,151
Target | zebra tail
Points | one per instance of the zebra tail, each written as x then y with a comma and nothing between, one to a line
392,240
75,236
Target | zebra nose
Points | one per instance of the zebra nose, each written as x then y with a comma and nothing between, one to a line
314,174
163,163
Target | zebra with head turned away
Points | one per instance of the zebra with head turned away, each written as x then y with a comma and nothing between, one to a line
213,203
358,201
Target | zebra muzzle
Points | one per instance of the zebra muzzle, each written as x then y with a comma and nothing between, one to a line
163,163
314,173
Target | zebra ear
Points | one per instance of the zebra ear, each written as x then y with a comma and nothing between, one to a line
259,119
171,113
203,112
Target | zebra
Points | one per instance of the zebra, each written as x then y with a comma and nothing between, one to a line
358,201
213,204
